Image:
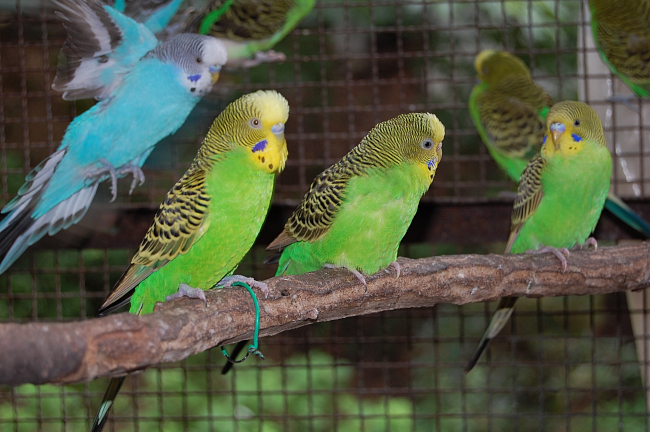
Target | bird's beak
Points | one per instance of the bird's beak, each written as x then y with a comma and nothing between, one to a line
278,131
214,72
557,129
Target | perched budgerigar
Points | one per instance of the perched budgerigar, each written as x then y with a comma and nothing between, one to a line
146,91
357,211
508,110
621,31
249,28
211,217
560,197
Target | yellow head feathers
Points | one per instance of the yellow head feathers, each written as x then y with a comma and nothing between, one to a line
492,66
571,125
256,122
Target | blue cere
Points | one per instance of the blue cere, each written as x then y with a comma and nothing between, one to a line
576,138
194,78
260,146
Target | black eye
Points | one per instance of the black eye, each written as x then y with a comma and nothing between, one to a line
576,123
199,60
427,144
255,123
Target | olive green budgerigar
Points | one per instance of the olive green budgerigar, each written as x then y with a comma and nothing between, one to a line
508,110
248,28
211,217
560,196
621,31
357,211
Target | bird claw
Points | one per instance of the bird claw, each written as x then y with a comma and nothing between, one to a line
136,172
108,168
353,271
559,253
590,241
260,57
184,290
397,268
229,280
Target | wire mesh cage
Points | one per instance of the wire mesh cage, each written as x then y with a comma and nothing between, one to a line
572,364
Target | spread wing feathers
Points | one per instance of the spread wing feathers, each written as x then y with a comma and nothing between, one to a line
247,20
529,195
141,10
20,229
317,210
514,120
89,65
178,224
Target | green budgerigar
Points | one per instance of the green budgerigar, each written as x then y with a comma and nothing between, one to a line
211,217
248,28
508,110
621,31
357,211
560,196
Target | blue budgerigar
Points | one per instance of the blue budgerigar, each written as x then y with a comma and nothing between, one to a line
146,91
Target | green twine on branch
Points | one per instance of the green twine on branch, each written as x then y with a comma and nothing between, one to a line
252,349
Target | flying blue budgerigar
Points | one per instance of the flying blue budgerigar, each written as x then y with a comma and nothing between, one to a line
146,91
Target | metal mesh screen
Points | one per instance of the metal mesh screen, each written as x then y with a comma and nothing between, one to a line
566,364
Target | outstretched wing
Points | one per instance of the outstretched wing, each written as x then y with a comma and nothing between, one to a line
179,223
529,195
317,210
101,48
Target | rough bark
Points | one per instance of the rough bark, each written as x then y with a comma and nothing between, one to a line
81,351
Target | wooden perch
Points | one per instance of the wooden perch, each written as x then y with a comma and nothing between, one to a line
81,351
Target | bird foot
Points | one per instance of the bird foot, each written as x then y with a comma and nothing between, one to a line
184,290
135,171
106,168
627,101
397,268
353,271
229,280
559,253
590,241
260,57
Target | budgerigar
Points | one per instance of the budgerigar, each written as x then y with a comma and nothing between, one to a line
560,197
249,28
508,110
211,217
621,31
357,211
146,92
154,14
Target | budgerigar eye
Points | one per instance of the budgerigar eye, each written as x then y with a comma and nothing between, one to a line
427,144
577,122
199,60
255,123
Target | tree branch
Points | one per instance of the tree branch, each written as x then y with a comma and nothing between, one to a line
81,351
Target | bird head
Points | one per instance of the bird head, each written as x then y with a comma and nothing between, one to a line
412,138
571,125
199,60
259,120
493,66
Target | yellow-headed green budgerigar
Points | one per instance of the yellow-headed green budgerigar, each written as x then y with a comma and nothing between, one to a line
248,28
357,211
560,197
621,31
508,110
211,217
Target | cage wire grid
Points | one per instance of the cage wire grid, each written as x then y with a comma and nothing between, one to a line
567,364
